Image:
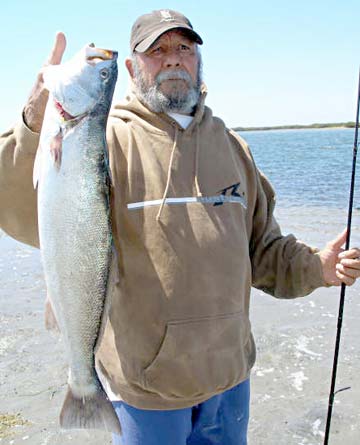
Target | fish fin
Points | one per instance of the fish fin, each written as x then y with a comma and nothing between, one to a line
94,412
51,323
107,167
56,149
37,167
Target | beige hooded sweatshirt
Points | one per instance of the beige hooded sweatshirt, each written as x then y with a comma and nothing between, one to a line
194,230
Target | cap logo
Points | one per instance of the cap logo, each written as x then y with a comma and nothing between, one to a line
166,16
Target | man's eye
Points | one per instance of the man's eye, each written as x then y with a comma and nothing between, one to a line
157,50
184,48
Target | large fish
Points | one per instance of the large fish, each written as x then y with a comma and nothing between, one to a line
72,176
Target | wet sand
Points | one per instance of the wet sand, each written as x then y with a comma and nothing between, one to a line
290,382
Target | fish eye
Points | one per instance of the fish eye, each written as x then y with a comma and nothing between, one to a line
104,73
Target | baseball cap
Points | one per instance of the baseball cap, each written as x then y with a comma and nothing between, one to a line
150,27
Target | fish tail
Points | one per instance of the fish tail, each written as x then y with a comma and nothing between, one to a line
89,412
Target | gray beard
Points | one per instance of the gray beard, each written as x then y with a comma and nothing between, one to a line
177,100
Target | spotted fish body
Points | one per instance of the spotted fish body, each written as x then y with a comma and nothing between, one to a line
71,170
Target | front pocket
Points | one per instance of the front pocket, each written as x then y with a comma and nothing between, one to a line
201,356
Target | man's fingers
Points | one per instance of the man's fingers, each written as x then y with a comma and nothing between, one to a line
57,50
339,240
35,106
339,265
352,272
353,253
351,263
349,281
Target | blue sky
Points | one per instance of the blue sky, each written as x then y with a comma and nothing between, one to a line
265,62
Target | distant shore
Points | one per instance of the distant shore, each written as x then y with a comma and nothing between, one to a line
298,127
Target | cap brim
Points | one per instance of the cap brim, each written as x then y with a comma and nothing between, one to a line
146,43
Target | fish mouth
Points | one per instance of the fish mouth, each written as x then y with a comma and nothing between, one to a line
96,55
64,114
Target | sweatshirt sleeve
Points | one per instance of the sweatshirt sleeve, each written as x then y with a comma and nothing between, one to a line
282,265
18,207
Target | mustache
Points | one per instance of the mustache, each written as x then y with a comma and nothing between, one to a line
174,75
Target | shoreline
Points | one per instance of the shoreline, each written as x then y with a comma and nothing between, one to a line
335,126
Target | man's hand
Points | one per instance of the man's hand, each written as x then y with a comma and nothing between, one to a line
340,266
35,108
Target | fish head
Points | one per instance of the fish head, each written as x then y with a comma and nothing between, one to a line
84,83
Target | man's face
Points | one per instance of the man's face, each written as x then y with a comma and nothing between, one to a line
168,75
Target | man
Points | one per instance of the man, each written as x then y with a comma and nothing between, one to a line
194,230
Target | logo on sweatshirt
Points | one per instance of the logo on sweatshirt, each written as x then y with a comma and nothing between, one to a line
227,192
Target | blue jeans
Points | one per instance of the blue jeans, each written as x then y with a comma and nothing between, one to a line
221,420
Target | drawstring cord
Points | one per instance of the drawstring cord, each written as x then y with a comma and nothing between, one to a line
196,174
168,176
198,192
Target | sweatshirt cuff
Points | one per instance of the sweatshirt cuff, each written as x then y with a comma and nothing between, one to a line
27,140
318,276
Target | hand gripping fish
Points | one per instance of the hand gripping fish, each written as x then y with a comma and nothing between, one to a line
72,175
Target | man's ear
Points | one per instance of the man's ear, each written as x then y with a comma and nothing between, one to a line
129,66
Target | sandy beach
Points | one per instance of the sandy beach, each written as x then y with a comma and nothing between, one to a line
290,382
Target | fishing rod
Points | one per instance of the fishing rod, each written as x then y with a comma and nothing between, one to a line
343,286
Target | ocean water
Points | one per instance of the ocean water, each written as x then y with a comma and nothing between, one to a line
307,167
311,172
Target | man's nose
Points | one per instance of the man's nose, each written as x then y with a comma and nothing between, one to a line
172,59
